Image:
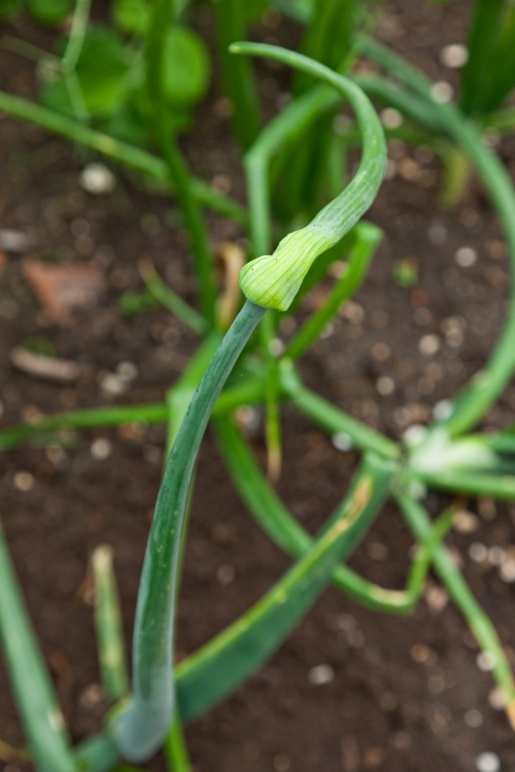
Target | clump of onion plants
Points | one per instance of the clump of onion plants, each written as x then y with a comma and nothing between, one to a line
151,704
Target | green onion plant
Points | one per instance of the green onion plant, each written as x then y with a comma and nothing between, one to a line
151,701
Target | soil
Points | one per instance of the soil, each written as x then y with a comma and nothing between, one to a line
403,693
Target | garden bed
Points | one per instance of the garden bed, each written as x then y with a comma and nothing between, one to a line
350,689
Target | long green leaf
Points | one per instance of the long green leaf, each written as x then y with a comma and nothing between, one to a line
37,703
123,153
219,667
142,727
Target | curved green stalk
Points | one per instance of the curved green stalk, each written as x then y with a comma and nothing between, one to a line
142,727
482,628
274,280
331,418
273,517
32,686
122,152
487,385
472,482
219,667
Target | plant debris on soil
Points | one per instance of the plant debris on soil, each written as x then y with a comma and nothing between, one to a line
351,689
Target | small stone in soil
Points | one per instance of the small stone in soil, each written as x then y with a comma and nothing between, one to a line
478,552
485,661
225,575
24,481
497,699
321,674
454,55
488,762
465,257
473,718
101,448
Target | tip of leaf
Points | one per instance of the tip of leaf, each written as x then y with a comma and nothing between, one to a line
235,48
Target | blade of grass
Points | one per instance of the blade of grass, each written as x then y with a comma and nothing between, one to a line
478,622
487,385
125,154
331,418
250,390
108,626
219,667
161,17
170,300
239,82
32,687
273,517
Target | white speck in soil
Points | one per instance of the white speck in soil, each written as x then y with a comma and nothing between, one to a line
454,55
473,718
465,257
321,674
342,441
485,661
488,762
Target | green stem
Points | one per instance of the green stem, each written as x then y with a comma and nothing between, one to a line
112,148
239,81
273,517
143,726
170,300
32,686
487,385
76,37
249,391
155,50
175,749
219,667
331,418
479,623
108,625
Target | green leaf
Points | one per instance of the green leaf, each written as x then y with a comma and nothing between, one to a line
186,66
131,16
101,77
49,12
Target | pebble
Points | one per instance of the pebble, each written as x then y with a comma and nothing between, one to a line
101,448
488,762
225,575
497,698
473,718
442,92
97,179
428,345
454,55
485,661
24,481
507,571
391,118
465,257
321,674
342,441
466,522
385,386
478,552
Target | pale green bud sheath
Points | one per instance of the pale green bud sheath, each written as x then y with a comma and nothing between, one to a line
272,281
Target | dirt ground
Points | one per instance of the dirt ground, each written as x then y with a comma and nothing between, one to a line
402,694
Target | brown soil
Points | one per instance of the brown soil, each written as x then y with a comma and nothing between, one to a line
407,693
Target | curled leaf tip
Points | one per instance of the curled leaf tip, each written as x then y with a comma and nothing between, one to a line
272,281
